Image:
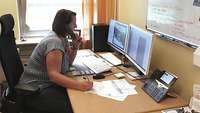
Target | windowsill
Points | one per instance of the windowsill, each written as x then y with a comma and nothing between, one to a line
29,41
32,37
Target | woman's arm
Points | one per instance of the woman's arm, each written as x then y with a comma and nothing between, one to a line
53,63
72,54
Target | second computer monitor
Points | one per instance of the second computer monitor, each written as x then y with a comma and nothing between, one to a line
117,36
139,47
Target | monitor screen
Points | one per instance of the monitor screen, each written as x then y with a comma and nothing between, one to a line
139,47
167,78
117,36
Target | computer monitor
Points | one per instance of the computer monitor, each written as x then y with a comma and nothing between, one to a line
117,35
139,48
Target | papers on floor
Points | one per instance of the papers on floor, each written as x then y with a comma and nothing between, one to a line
178,110
195,99
111,58
114,89
196,91
195,104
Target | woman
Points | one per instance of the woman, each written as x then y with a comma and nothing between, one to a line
49,62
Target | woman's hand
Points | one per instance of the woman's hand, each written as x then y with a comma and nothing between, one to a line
76,42
85,85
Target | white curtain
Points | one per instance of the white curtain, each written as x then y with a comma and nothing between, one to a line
22,16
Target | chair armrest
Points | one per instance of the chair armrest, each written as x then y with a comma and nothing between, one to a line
27,89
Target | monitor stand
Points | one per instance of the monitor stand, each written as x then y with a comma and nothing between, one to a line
125,62
123,59
137,74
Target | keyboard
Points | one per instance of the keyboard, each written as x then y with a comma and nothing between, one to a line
81,69
87,62
96,64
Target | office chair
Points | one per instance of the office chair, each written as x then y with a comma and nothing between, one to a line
0,29
15,94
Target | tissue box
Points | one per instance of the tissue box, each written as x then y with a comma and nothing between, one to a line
196,57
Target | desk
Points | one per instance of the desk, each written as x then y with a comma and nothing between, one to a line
140,103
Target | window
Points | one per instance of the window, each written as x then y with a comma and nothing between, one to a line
40,15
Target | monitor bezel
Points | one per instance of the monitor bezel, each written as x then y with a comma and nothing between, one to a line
140,68
122,51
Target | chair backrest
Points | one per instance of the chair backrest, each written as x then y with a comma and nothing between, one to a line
0,29
9,57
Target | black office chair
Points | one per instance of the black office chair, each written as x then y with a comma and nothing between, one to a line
15,94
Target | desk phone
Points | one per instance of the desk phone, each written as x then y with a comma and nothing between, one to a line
157,87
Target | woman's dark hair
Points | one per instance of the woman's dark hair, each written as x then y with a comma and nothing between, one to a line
61,22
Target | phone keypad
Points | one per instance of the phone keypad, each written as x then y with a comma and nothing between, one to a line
156,91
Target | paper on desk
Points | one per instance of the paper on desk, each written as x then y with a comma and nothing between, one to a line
101,89
118,98
135,74
97,87
121,86
115,89
111,58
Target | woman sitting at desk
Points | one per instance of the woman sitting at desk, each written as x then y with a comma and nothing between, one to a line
49,62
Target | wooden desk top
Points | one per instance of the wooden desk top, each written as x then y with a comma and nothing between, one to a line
83,102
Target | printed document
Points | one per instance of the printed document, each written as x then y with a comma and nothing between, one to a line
114,89
111,58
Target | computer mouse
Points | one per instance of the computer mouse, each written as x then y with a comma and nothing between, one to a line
99,76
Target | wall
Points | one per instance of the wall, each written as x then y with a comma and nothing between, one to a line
133,12
10,6
166,54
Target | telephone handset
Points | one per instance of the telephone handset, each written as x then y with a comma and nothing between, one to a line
72,35
159,84
70,32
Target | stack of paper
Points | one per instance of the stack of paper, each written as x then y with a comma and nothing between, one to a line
114,89
195,99
111,58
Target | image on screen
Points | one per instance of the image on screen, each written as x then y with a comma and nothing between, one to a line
119,38
117,35
139,47
111,31
167,78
